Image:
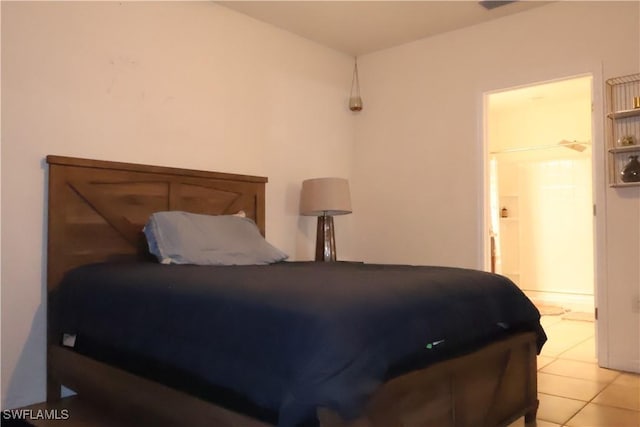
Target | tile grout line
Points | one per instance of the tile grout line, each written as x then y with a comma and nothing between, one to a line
587,402
580,343
561,356
576,413
558,357
591,401
607,382
558,323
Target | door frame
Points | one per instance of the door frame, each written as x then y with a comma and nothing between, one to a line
598,193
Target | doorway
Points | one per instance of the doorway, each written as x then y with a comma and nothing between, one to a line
540,193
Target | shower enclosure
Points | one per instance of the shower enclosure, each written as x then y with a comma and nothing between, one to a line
541,221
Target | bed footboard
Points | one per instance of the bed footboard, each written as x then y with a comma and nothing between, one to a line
491,387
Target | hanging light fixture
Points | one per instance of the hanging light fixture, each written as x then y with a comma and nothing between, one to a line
355,101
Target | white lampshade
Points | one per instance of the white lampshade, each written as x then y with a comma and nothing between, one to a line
325,196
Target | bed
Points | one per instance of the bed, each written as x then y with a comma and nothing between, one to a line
96,213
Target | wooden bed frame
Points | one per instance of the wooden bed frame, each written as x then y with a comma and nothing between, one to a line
96,212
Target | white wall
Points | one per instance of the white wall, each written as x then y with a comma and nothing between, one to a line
189,85
418,178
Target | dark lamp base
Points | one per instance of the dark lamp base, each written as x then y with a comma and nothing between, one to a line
325,239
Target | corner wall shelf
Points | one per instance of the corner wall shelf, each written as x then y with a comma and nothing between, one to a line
623,124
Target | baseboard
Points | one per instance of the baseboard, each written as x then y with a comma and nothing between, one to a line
632,365
570,302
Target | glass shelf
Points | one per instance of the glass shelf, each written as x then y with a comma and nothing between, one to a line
624,114
625,149
625,184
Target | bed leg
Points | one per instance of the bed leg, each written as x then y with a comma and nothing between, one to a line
530,416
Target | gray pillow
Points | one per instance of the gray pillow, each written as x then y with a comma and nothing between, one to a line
177,237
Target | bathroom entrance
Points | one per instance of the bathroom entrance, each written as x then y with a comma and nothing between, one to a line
540,190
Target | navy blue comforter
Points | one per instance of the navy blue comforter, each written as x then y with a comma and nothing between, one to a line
289,336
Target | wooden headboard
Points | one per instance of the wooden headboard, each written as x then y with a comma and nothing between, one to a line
97,209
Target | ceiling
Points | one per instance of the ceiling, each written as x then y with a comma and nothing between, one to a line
360,27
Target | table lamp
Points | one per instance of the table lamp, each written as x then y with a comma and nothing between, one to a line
324,198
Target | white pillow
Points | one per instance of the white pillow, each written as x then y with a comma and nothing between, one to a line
177,237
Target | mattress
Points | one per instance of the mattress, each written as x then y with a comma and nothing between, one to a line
286,338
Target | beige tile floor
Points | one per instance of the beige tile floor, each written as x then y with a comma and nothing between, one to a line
572,389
